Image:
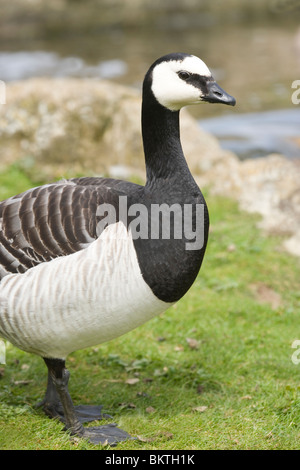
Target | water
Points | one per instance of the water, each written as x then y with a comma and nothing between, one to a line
25,64
252,135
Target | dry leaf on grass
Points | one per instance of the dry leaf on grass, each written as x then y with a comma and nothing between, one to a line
231,247
167,435
200,409
132,381
23,382
192,343
145,439
179,348
127,405
246,397
150,409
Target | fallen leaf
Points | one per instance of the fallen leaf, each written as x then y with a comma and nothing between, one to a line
246,397
165,434
132,381
145,439
200,409
150,409
23,382
192,343
75,440
231,247
179,348
127,405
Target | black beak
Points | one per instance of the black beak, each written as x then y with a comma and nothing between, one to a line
215,94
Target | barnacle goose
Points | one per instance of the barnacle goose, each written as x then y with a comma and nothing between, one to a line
69,281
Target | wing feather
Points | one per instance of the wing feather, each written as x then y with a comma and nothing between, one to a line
51,221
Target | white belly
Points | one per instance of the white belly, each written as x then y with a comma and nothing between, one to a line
77,301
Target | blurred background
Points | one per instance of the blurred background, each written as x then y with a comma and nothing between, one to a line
68,114
252,47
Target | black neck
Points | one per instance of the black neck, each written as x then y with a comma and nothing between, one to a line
167,266
162,147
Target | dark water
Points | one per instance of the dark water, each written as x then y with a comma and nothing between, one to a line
256,61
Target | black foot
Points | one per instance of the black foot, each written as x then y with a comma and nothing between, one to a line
105,435
84,413
58,404
87,413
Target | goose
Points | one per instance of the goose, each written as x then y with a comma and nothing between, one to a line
76,272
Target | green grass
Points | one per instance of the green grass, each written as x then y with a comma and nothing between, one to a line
241,372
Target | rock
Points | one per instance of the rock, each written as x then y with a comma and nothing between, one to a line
268,186
65,127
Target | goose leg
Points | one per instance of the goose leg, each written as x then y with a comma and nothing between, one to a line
108,434
53,408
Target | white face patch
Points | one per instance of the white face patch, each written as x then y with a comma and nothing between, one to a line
173,92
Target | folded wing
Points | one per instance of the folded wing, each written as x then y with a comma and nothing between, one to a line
51,220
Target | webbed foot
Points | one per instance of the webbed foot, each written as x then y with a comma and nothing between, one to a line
84,413
108,434
58,404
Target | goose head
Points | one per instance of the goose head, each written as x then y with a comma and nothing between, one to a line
178,80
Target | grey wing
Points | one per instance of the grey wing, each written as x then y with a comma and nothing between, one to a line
47,222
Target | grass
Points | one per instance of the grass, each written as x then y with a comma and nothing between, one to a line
233,387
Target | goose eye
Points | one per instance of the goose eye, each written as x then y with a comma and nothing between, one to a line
184,75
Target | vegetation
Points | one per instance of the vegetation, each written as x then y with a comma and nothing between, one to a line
213,372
